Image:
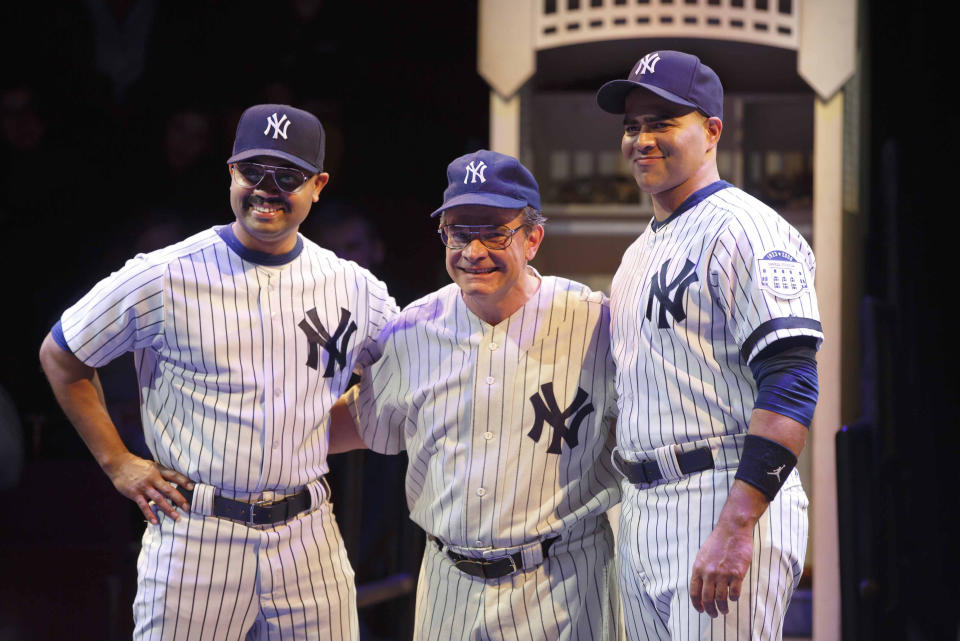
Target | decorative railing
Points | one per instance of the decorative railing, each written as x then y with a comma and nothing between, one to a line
767,22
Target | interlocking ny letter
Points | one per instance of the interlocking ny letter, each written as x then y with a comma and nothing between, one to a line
545,409
661,290
335,346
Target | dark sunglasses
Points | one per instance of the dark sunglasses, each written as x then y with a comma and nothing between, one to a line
250,174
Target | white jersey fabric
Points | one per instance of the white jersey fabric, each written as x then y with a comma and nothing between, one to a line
239,356
508,430
228,394
695,299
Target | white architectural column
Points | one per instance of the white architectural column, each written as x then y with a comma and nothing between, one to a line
506,59
505,124
828,246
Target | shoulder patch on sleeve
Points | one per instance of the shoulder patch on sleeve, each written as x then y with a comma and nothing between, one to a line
782,275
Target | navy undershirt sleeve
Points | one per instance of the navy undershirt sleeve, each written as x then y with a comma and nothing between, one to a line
57,332
786,376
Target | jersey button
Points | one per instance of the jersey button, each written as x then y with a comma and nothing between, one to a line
481,491
278,393
493,346
491,380
276,445
488,435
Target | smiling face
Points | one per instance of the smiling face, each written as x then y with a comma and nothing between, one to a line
671,148
267,217
494,282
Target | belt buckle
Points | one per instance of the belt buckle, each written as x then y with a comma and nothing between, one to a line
469,561
254,505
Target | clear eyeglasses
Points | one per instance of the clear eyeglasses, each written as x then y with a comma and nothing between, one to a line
491,236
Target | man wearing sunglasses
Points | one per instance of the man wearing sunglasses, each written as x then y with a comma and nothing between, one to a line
500,388
244,335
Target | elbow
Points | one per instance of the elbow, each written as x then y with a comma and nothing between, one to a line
45,356
58,363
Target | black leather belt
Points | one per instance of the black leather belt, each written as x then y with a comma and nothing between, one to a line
648,471
259,513
492,568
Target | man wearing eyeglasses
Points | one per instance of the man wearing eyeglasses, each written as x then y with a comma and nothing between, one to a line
244,335
500,388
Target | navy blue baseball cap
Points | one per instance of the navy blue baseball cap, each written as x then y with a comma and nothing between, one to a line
674,76
489,179
280,131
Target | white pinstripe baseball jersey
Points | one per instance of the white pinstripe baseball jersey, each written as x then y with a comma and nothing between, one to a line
507,427
694,300
239,354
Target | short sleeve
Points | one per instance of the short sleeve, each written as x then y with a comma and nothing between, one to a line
378,404
762,276
123,312
381,310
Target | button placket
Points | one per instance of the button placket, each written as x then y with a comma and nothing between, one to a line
482,467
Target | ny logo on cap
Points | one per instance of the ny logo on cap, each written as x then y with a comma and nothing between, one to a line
647,63
475,170
272,121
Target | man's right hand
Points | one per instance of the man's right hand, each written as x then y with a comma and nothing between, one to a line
143,481
78,391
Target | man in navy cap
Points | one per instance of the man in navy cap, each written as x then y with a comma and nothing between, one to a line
714,329
243,335
500,388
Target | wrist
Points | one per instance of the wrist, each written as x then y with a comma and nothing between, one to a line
111,461
743,508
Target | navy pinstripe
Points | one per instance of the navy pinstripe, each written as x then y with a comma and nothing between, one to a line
455,392
688,385
228,399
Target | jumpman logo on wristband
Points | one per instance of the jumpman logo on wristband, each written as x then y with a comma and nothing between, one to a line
776,472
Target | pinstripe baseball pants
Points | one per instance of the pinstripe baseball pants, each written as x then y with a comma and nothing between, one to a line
661,530
208,578
570,596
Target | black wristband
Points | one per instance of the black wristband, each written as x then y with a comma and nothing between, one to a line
765,464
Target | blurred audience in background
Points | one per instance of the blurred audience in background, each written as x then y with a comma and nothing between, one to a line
116,120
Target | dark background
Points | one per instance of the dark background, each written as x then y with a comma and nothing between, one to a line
98,165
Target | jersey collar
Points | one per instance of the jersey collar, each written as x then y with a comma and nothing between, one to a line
692,201
260,258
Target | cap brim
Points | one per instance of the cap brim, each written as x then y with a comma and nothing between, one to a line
273,153
482,199
612,96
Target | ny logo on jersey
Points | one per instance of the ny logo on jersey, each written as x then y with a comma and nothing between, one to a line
273,122
475,170
545,410
335,345
647,63
660,288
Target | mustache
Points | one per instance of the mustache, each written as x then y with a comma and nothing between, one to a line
273,201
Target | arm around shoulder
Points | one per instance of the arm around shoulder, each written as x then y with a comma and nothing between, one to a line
344,436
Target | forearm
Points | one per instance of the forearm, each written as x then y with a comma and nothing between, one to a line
746,504
78,391
343,430
722,561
